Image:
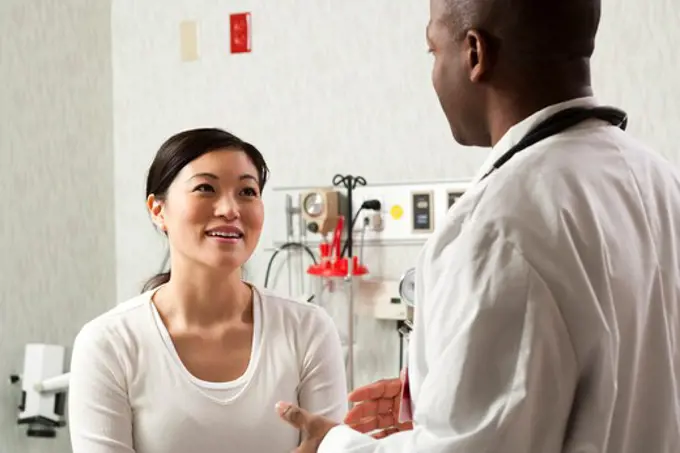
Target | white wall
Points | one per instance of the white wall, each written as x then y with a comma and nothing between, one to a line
321,93
636,67
336,87
57,260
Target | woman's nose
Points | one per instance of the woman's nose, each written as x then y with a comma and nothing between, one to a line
227,207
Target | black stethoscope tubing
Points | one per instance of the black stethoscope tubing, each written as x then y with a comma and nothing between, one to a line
560,122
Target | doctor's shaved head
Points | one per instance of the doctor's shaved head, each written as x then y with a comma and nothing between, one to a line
528,29
499,61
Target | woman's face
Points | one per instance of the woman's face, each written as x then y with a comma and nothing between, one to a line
213,211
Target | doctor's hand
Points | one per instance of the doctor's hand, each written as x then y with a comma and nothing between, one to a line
378,408
312,427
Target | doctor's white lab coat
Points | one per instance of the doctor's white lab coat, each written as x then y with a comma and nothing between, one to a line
548,306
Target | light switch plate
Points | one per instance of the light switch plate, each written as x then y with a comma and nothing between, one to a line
188,40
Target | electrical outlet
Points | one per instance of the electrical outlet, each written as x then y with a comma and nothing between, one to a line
362,218
366,215
376,222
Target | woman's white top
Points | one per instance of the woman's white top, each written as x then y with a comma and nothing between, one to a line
130,392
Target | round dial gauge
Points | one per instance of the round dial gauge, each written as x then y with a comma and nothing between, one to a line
407,287
313,204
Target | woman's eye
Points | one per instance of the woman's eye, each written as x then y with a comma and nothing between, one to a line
204,188
249,192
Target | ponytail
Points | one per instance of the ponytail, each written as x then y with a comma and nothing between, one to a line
156,281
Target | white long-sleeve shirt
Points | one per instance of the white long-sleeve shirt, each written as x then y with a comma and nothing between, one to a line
548,306
129,391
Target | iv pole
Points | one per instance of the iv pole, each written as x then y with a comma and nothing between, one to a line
350,183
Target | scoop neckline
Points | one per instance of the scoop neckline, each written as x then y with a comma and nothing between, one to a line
242,381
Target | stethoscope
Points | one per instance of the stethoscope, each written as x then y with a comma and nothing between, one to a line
555,124
560,122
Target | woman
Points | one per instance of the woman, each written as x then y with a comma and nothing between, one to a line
198,361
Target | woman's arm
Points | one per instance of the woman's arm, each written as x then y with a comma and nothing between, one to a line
323,383
99,412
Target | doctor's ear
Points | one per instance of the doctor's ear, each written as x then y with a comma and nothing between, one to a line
155,207
479,55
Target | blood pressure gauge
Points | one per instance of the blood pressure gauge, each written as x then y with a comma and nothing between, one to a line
314,204
407,287
320,209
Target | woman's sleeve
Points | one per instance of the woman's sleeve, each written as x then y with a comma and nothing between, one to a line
323,384
99,411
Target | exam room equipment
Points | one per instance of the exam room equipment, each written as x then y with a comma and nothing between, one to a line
333,241
44,383
322,212
407,291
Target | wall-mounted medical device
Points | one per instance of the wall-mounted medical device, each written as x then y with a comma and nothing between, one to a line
407,292
337,226
321,209
408,214
382,296
43,389
422,211
452,197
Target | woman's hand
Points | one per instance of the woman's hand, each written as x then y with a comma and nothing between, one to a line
312,427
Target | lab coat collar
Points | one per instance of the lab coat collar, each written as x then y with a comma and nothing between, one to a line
519,130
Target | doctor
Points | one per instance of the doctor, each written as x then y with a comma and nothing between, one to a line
548,306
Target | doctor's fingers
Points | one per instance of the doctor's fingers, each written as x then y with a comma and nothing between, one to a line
395,429
369,409
386,388
381,421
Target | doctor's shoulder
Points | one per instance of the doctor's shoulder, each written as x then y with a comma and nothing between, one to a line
525,203
544,182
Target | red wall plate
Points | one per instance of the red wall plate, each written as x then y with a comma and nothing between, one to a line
239,25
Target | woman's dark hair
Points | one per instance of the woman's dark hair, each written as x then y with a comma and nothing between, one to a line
182,148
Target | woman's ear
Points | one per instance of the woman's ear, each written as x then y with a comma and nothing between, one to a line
155,207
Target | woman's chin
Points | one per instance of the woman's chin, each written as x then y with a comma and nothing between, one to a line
228,262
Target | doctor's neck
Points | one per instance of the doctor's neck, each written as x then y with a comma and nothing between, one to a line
525,92
202,295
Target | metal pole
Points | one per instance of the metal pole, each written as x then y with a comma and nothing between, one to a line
289,238
302,238
350,326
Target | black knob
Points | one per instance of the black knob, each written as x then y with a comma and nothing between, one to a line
41,431
313,227
14,378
